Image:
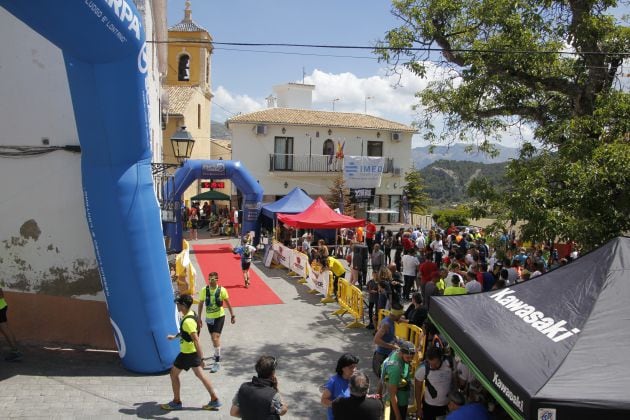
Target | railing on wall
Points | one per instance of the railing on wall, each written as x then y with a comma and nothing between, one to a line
313,163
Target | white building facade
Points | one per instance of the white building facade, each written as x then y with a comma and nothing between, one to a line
294,146
47,258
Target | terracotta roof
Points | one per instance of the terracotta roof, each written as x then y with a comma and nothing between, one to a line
178,98
310,117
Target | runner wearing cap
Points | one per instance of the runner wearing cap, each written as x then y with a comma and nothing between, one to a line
396,377
190,356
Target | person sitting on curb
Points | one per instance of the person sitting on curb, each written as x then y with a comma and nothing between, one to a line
190,356
260,397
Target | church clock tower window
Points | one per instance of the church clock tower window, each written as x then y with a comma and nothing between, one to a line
183,68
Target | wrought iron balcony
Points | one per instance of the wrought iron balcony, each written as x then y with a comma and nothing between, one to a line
313,163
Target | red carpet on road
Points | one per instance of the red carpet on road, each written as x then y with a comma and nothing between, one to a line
219,258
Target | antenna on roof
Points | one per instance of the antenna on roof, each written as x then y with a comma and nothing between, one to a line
303,74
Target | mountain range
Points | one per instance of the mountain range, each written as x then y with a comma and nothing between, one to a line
421,157
446,181
219,131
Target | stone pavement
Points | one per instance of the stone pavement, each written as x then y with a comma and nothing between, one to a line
301,333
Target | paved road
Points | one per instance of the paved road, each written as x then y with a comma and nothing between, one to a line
301,333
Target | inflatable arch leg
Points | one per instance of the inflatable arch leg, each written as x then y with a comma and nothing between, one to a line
103,44
214,169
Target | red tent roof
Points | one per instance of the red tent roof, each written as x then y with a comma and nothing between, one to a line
319,216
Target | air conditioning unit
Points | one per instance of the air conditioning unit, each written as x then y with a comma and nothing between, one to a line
396,172
261,129
396,137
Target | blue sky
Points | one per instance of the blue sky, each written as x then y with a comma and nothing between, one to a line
241,79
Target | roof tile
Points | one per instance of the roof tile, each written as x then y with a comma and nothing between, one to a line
308,117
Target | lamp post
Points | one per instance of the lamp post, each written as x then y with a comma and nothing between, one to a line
182,143
333,103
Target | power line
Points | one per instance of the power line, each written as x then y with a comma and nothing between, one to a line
297,53
389,48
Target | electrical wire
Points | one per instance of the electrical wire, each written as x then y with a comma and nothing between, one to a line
29,151
388,48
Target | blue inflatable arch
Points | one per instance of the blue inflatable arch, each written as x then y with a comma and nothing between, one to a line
103,44
214,169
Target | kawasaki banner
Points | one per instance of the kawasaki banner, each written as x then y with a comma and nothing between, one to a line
363,171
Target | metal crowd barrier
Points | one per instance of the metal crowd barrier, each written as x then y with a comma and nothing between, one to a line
350,298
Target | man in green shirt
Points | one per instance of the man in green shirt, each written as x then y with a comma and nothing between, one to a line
397,377
215,298
190,356
15,354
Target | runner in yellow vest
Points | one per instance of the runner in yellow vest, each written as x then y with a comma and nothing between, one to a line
15,354
190,356
215,297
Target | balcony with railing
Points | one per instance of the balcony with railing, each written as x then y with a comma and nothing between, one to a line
313,163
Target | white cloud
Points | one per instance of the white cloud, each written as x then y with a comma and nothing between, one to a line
227,104
392,96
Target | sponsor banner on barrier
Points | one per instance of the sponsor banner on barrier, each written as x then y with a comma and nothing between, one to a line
299,263
317,279
283,254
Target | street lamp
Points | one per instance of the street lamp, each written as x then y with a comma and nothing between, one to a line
182,143
333,103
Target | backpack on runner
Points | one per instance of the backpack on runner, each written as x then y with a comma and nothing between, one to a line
217,297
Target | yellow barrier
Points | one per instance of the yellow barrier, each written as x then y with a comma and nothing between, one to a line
331,290
350,298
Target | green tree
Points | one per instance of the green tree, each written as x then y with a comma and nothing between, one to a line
337,192
417,198
445,217
502,70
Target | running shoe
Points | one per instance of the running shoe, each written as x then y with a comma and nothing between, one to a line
212,405
172,405
215,368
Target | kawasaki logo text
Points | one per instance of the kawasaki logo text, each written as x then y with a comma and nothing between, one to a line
553,329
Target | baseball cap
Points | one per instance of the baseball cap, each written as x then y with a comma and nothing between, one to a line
407,348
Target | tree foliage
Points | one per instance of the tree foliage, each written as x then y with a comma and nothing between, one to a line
338,192
414,189
458,215
502,69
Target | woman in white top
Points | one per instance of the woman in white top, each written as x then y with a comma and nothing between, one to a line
438,248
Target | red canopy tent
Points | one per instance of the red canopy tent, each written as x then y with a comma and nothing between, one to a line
319,216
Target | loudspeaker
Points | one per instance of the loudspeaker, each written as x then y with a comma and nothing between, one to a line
360,257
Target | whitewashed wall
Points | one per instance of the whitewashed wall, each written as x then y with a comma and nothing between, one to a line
254,150
45,244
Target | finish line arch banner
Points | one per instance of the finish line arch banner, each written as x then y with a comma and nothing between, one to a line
103,44
195,169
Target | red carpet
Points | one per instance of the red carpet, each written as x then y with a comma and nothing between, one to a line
219,258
